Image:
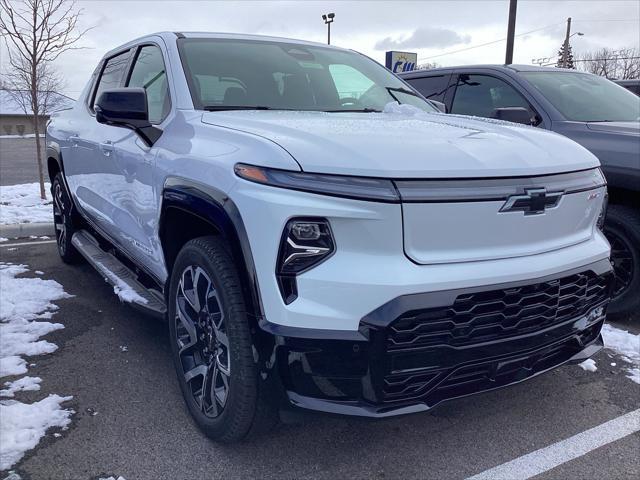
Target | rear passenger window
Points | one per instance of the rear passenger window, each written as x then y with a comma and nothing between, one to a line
433,88
112,74
149,73
480,95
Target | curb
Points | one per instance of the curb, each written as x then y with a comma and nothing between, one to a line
21,230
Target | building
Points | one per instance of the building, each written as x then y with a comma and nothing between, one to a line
14,120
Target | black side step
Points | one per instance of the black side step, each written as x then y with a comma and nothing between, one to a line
125,282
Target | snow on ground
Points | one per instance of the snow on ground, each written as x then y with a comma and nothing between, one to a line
28,135
22,204
626,345
22,384
24,424
25,305
589,365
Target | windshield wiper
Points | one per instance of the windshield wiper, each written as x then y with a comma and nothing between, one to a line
401,90
360,110
220,108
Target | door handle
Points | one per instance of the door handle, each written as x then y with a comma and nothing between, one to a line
107,148
73,139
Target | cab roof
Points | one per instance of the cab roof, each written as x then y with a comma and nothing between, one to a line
169,36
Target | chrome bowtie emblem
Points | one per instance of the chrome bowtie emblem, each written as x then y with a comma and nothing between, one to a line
533,201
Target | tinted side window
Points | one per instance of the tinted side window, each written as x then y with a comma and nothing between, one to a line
480,95
433,88
112,74
149,73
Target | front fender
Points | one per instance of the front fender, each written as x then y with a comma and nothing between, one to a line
217,209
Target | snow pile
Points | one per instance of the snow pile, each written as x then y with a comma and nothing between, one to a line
22,204
626,345
24,424
24,302
589,365
20,385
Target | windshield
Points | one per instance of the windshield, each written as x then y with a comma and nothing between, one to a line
586,98
229,74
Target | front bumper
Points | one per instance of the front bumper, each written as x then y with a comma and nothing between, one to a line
419,350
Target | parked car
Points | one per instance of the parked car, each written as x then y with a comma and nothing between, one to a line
631,85
318,236
591,110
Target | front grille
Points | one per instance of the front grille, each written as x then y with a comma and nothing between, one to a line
437,385
499,314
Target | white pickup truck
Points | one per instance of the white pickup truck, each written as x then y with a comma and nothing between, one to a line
317,235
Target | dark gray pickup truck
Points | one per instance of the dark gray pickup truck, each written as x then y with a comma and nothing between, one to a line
593,111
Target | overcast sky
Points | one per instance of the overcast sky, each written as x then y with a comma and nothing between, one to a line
433,29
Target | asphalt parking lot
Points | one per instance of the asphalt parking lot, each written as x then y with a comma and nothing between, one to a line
130,419
18,164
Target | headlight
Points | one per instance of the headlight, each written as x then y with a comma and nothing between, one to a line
306,242
360,188
603,211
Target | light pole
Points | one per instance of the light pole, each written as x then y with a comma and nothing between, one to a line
511,31
328,19
565,49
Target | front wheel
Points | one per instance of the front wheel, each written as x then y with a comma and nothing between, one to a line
212,345
63,220
622,229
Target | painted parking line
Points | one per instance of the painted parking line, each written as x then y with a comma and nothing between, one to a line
24,244
563,451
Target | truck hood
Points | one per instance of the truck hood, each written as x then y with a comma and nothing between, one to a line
405,144
615,127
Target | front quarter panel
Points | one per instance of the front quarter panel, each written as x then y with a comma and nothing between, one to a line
206,155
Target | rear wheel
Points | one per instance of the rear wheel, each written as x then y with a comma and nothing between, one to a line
212,344
63,220
622,229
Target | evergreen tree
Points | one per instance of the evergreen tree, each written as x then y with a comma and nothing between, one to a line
570,63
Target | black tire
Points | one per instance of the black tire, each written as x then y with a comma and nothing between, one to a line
63,219
622,229
201,358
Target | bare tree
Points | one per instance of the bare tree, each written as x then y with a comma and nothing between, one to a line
37,32
49,84
628,63
621,64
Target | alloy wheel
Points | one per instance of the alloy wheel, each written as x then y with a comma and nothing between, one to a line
59,217
203,345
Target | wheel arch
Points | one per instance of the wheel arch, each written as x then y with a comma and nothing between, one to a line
55,165
54,161
189,210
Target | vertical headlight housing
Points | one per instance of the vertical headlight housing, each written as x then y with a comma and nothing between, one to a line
305,243
603,211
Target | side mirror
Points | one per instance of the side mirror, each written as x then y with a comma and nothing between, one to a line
515,115
127,107
439,105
